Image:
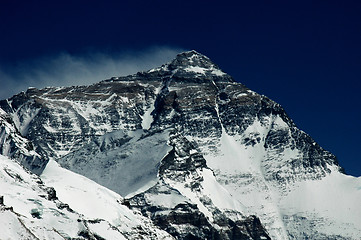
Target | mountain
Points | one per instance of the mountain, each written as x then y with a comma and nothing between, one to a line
197,154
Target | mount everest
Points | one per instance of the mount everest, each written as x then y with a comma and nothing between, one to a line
181,151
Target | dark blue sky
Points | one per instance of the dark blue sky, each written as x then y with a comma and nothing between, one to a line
304,55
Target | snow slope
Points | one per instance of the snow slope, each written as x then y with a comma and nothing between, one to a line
77,208
333,203
27,206
318,206
122,161
97,202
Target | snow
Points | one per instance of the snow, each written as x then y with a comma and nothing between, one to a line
97,202
335,198
241,95
331,204
242,180
26,195
217,72
201,70
234,156
166,200
27,114
124,99
195,69
84,195
147,117
193,196
12,227
89,110
124,168
155,69
210,188
106,231
143,188
221,198
240,171
22,192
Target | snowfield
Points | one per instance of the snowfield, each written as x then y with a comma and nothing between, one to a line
28,214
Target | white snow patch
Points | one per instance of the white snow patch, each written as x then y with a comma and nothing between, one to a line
196,69
166,200
238,168
21,191
335,197
201,70
86,196
217,72
241,95
11,227
147,117
106,231
221,198
124,99
187,192
28,114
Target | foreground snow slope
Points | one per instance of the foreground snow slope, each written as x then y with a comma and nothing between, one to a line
31,212
77,208
97,202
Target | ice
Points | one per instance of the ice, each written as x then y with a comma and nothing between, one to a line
144,188
124,168
147,117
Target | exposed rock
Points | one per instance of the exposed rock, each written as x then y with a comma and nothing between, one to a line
51,193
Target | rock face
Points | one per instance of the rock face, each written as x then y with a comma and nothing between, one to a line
185,178
12,144
198,153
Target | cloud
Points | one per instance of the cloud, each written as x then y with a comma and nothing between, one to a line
66,70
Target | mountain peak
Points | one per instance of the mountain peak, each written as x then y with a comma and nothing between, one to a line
192,59
192,66
192,63
193,151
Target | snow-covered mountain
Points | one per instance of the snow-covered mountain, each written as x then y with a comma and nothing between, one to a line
183,151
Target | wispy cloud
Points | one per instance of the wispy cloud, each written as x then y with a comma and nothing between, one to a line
65,69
